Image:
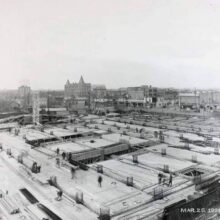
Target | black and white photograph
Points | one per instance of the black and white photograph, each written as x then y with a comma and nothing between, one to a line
109,109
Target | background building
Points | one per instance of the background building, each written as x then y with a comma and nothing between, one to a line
210,98
167,97
80,89
151,93
136,93
189,100
77,96
24,95
99,91
52,98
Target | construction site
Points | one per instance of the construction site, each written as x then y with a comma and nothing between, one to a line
127,167
110,110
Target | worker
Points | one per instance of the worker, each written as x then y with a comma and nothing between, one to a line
34,167
69,157
100,181
58,162
58,151
59,195
38,169
170,180
64,155
164,179
72,172
159,178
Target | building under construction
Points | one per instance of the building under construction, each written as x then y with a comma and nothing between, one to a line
152,166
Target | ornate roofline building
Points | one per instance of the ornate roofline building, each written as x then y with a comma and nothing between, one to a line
77,90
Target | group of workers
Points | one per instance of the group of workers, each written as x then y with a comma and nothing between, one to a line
162,179
68,156
64,154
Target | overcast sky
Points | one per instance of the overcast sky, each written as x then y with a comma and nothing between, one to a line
167,43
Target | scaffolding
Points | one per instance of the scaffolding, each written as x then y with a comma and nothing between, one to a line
36,108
